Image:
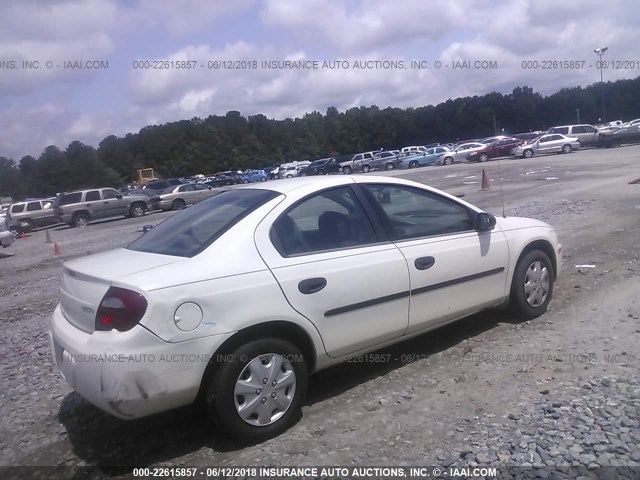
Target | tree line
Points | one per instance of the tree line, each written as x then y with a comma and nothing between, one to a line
232,142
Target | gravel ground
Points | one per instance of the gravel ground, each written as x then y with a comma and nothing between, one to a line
470,392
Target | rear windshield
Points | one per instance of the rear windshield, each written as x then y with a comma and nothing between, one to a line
190,231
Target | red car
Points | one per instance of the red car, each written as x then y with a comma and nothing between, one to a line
497,148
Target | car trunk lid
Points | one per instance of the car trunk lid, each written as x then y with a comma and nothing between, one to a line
85,281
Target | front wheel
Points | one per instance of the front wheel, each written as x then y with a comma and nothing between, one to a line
484,157
448,161
389,166
413,164
137,210
366,168
532,285
177,204
257,392
528,153
566,148
346,170
263,179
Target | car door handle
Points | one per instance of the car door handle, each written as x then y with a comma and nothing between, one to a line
312,285
424,263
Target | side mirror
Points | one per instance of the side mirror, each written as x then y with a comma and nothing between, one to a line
118,196
485,222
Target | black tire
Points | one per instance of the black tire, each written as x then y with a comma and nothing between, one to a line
528,153
448,161
566,148
346,170
15,231
520,303
263,179
413,164
366,168
321,172
389,166
245,181
221,398
81,220
177,204
137,210
483,157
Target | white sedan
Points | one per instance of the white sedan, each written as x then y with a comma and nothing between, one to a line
239,298
551,143
459,154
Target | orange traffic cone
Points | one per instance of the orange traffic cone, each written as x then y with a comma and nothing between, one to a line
47,238
22,235
485,181
56,249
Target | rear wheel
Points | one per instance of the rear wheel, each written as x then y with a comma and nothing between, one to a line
566,148
448,161
177,204
321,172
80,220
528,153
413,164
366,168
532,285
389,166
15,231
258,390
483,157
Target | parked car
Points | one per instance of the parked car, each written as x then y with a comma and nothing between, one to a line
79,208
297,250
6,236
161,185
428,157
586,134
553,143
489,140
288,170
459,153
251,176
322,166
527,136
33,214
498,148
221,180
385,161
624,135
178,197
413,149
353,164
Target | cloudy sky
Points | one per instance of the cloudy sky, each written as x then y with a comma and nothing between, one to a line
45,101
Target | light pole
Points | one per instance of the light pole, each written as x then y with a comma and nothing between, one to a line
495,130
600,52
578,113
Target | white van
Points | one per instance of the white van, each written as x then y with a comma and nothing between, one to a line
586,134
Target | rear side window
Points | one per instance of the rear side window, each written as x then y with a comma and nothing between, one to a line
192,230
17,208
561,130
69,198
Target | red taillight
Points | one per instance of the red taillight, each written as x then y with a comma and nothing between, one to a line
120,309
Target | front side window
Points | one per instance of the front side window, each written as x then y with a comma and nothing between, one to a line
109,193
329,220
33,206
414,213
192,230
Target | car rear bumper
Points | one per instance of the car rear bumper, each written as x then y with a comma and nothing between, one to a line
130,374
6,239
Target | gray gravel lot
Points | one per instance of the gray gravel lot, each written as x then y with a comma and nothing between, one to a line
561,390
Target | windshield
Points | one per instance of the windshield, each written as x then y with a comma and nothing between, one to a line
190,231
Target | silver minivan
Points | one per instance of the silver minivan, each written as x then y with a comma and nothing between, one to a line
586,134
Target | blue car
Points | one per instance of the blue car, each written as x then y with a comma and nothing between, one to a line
251,176
428,157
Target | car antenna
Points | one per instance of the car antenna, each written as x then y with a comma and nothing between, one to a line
501,191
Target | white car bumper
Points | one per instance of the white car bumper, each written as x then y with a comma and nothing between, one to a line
130,374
